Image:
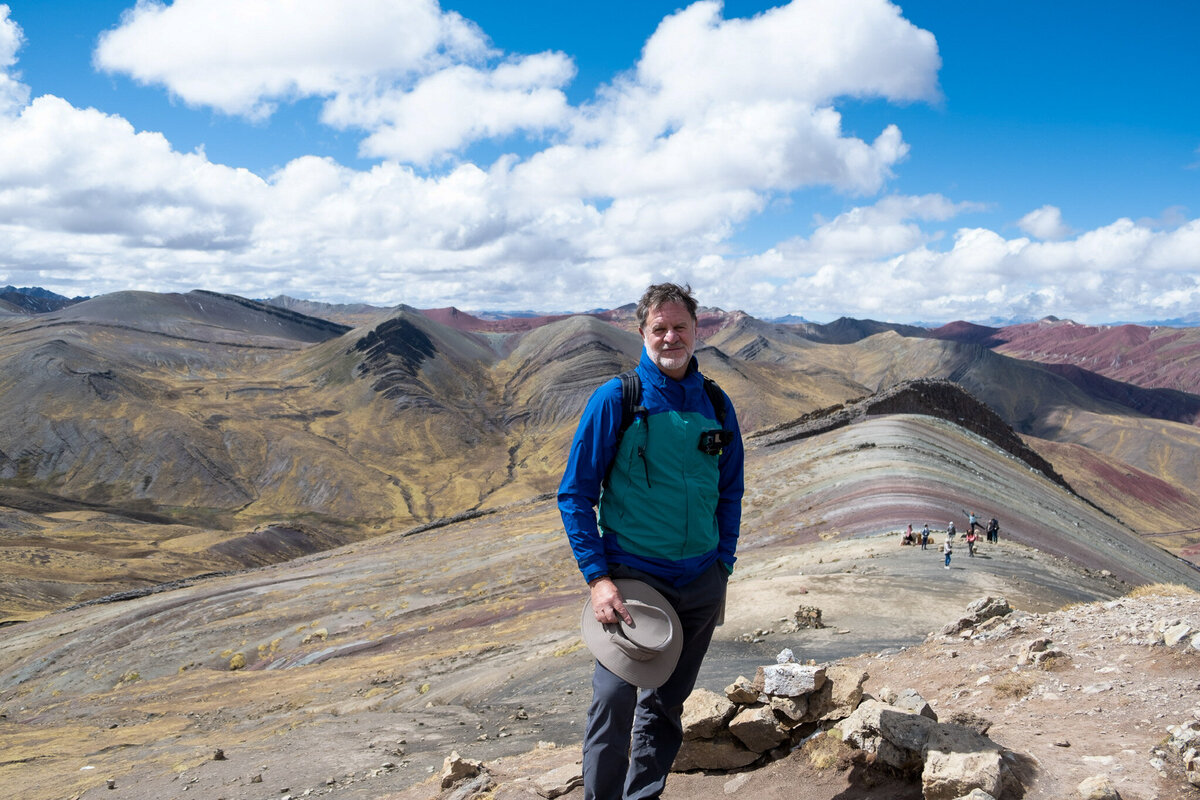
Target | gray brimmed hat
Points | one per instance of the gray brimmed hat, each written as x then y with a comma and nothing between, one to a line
644,653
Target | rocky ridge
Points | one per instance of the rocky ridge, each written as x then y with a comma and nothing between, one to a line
942,399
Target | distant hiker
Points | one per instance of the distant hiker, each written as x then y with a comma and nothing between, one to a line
974,520
971,537
950,531
909,537
925,537
993,530
948,548
658,454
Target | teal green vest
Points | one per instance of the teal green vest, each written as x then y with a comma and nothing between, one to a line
674,517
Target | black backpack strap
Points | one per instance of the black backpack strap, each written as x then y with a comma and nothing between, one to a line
717,398
631,407
631,398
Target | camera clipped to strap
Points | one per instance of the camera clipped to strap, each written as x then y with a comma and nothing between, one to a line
714,441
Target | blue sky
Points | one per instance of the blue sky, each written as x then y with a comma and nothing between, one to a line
931,161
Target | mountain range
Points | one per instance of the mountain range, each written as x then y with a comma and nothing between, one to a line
150,437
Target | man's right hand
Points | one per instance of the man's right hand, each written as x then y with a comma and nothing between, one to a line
607,603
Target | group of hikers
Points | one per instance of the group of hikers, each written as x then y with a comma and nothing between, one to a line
991,531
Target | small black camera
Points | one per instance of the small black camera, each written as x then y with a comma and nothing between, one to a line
714,441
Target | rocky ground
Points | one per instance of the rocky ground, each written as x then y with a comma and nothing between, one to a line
353,673
363,733
1096,713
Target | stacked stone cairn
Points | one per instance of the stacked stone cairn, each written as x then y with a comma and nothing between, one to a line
788,704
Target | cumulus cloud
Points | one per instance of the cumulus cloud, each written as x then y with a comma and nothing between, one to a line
419,80
1122,270
81,172
715,102
1045,223
243,56
890,227
13,94
426,121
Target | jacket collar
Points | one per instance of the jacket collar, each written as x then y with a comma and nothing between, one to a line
650,371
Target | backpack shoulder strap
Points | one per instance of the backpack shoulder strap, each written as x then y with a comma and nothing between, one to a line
717,398
631,398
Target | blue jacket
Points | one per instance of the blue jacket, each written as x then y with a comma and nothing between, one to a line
668,508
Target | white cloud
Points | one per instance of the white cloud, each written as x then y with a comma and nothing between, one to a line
1122,270
420,124
890,227
718,121
81,172
806,51
414,77
1045,223
13,94
748,102
242,56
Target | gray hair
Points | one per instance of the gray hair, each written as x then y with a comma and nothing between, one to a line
662,293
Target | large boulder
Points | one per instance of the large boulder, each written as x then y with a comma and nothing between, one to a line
957,761
896,737
704,713
758,729
839,695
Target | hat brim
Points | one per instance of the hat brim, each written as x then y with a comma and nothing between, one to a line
649,674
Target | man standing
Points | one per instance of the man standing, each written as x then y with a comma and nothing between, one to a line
669,490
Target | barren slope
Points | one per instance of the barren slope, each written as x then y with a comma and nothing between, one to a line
400,648
1150,356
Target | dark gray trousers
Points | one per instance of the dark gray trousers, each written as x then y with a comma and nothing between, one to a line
633,735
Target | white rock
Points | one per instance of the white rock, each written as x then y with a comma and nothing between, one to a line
1176,634
1098,787
789,680
976,794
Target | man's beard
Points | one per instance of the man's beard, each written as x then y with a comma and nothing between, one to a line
673,359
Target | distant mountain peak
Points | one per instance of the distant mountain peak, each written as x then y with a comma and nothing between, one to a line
36,300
